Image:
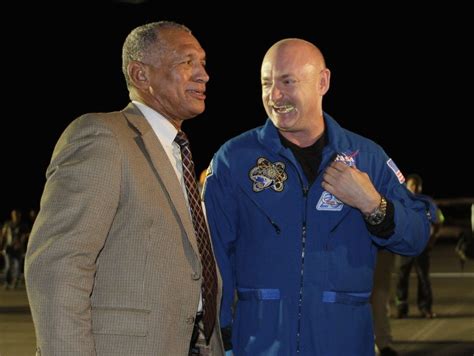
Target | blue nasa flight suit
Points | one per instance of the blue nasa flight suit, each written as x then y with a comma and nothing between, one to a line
300,261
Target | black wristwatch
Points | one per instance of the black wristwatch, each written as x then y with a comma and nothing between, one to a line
378,215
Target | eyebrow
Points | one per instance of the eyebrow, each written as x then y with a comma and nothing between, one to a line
283,76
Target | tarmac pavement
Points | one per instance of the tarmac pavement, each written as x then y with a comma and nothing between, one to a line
451,333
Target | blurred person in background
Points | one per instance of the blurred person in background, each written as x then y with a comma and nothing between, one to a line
13,235
421,263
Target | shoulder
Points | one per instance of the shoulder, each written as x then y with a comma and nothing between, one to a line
105,120
234,152
92,131
236,145
95,124
365,144
369,155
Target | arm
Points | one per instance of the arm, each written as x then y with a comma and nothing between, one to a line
222,216
359,190
411,214
77,207
436,222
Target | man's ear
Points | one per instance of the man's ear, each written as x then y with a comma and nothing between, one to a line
324,81
138,74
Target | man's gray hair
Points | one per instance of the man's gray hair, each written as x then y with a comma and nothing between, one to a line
143,41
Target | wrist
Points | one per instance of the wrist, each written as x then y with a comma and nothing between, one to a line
371,204
377,215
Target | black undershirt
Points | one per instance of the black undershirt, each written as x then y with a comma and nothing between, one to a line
309,157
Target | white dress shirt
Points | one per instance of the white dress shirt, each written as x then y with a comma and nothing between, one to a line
166,133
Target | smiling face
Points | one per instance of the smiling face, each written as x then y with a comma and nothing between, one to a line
294,80
174,77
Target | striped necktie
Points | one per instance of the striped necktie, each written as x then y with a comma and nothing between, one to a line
209,275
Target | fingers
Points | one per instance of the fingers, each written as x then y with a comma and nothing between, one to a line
331,176
334,172
327,187
339,166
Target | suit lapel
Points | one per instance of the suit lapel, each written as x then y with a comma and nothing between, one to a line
163,168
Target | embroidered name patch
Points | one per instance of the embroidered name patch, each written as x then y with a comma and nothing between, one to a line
329,202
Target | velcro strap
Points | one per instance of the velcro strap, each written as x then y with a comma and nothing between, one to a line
258,294
346,297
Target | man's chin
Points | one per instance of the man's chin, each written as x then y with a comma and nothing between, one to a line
197,110
284,124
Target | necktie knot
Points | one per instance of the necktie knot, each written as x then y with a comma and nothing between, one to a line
181,139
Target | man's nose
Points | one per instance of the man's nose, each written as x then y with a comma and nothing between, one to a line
202,75
275,93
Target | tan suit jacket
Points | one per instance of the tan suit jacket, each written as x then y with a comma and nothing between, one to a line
112,266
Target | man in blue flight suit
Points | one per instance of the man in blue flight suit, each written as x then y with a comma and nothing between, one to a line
298,209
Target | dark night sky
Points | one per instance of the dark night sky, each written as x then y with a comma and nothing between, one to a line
402,77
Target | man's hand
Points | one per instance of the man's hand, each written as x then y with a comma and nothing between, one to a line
351,186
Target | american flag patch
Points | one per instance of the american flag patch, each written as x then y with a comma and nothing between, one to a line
395,170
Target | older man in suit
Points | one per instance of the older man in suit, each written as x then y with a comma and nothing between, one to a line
114,263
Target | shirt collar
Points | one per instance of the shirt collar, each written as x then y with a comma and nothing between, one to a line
163,128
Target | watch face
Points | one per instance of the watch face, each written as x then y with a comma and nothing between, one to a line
379,214
376,218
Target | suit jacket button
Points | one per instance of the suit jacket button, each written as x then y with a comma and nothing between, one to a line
190,320
195,276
